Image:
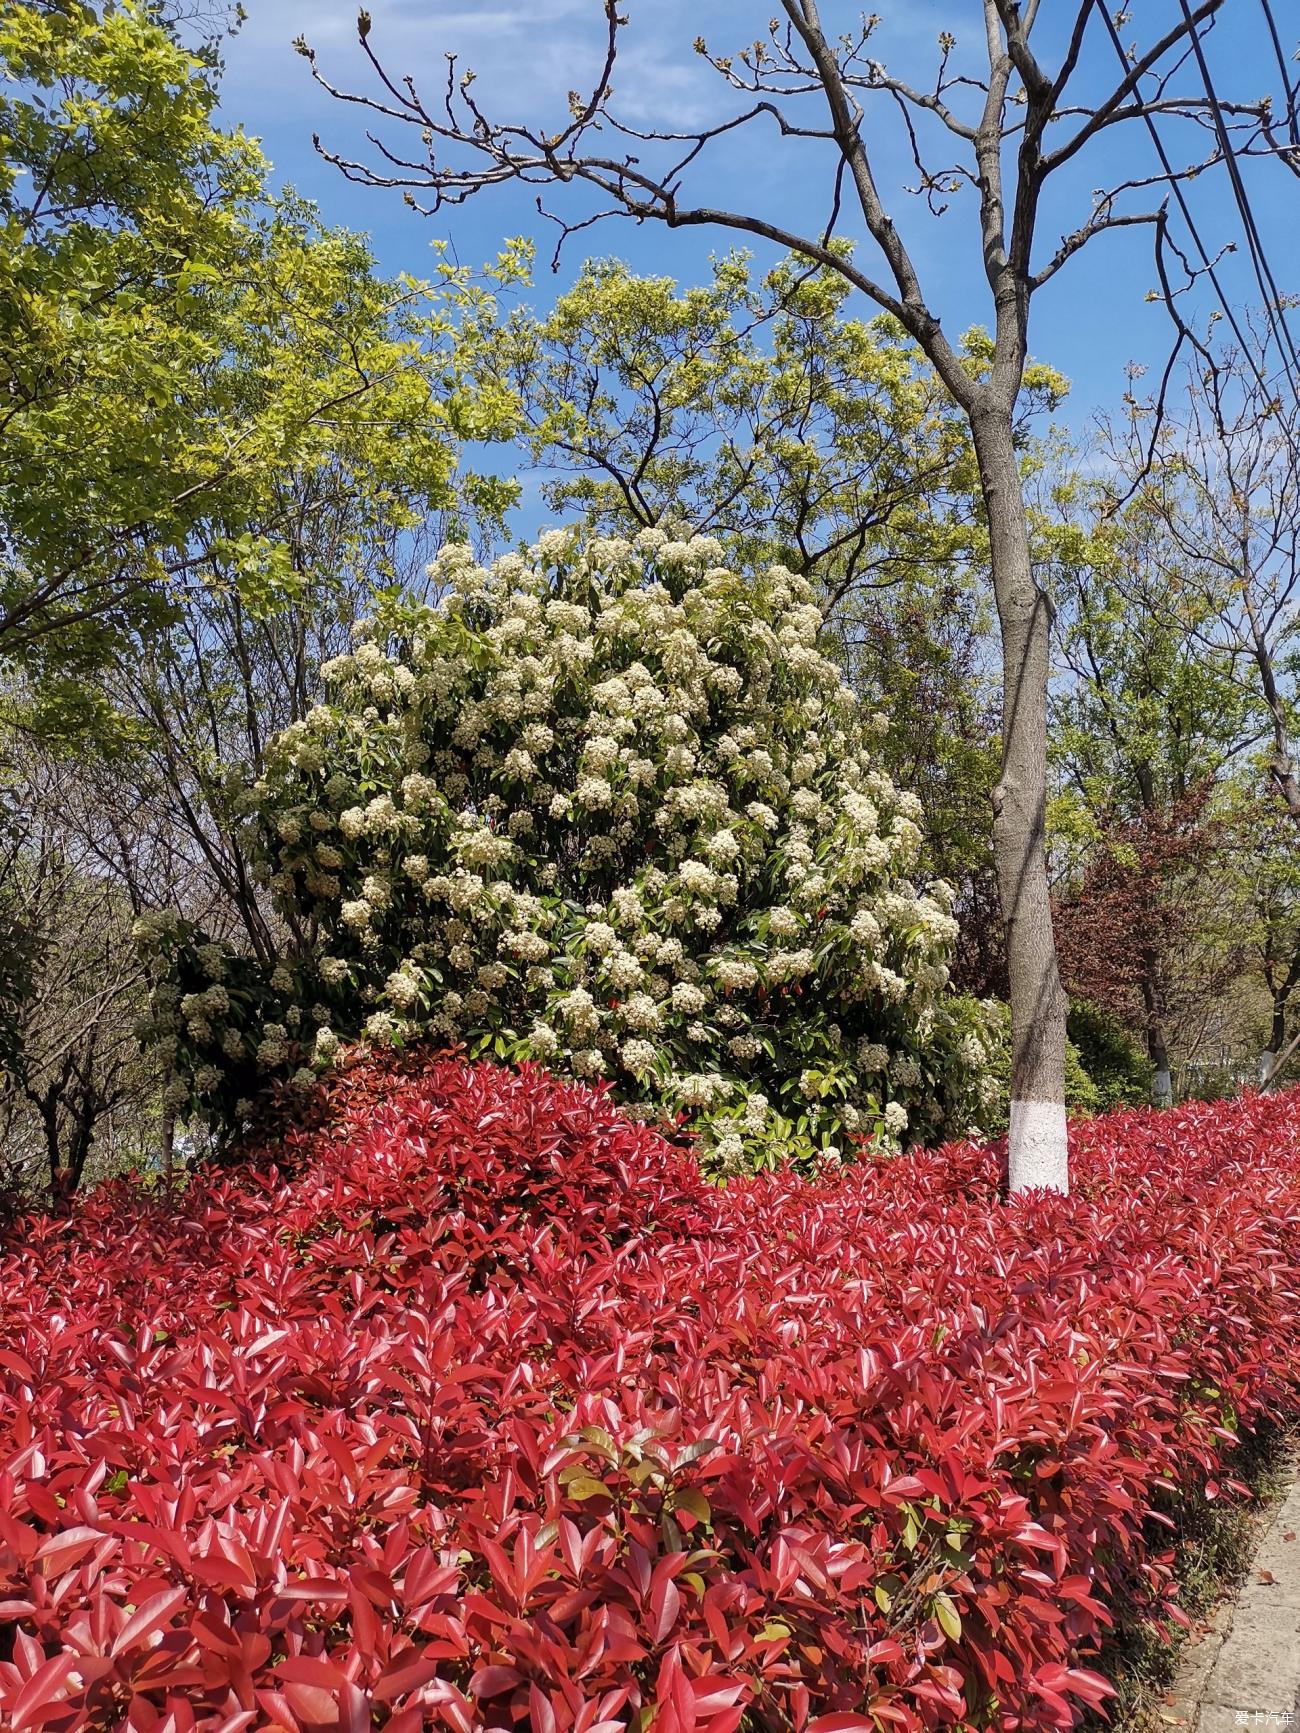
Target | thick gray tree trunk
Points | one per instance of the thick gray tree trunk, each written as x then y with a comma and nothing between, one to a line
1037,1142
1162,1082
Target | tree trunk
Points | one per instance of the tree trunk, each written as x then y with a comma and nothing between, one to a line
167,1144
48,1108
1281,992
1162,1084
1037,1142
1282,766
167,1133
1277,1028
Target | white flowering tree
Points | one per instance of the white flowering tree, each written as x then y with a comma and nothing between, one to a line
610,808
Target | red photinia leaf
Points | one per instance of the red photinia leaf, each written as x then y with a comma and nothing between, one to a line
151,1617
41,1697
483,1409
66,1547
491,1681
407,1675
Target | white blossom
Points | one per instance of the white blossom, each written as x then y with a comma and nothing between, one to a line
634,816
639,1056
640,1012
402,989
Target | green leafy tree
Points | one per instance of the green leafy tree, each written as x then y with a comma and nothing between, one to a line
753,411
1145,710
122,205
1220,484
1146,721
187,368
1210,471
356,509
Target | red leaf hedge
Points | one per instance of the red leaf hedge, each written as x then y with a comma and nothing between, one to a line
490,1413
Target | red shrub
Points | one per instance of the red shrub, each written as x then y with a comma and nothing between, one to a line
493,1414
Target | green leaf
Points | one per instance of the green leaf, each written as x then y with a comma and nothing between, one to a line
774,1632
693,1502
949,1618
583,1487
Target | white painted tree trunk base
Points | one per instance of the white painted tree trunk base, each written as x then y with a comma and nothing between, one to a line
1037,1152
1266,1063
1162,1092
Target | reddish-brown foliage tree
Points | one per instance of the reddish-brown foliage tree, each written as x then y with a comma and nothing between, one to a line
1129,930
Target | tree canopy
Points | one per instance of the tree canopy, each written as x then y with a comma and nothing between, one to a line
191,369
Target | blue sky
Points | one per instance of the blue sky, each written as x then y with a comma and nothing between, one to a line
1090,322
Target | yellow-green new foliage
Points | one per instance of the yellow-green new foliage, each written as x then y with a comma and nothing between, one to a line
120,205
182,361
610,807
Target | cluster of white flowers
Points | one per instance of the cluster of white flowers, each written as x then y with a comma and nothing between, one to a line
609,807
